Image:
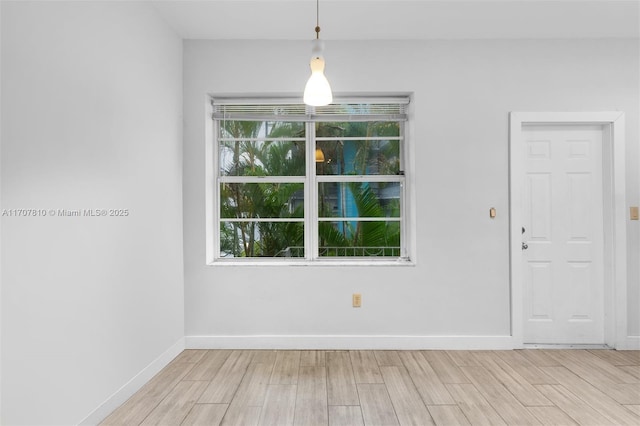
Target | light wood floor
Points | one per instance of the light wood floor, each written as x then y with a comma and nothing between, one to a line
522,387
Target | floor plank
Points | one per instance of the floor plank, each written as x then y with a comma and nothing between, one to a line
279,406
285,370
341,384
365,367
512,411
431,389
246,406
312,358
225,383
377,409
540,357
592,396
205,415
474,406
253,387
311,397
572,405
551,416
136,408
176,405
388,358
464,358
448,415
241,416
408,405
594,369
190,355
345,415
264,357
208,366
525,368
618,358
512,380
633,408
445,368
633,370
623,393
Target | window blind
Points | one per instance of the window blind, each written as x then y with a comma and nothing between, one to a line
360,109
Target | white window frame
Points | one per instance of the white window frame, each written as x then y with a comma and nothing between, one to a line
310,181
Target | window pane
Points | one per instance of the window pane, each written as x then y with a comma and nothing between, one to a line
253,148
261,200
377,156
241,129
261,239
359,199
264,177
359,238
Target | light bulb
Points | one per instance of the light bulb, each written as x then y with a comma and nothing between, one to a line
317,92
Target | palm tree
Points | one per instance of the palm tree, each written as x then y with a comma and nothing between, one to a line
364,157
253,155
252,150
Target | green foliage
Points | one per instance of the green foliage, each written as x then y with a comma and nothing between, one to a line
372,233
381,157
251,154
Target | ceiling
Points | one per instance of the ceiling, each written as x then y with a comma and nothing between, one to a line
401,19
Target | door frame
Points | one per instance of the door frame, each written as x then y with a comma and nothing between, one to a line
614,209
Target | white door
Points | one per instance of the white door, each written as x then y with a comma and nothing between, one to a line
563,235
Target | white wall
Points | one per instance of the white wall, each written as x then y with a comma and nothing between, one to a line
0,220
463,92
91,114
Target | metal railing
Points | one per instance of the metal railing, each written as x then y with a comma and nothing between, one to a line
327,251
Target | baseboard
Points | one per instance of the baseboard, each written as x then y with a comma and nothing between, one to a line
565,346
632,343
133,385
380,342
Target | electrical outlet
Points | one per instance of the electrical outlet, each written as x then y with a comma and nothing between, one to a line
633,213
357,300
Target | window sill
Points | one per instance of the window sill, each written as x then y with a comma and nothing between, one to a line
303,262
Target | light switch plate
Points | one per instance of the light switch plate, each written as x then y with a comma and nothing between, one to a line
633,213
357,300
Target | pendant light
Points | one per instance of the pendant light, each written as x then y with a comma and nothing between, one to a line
317,92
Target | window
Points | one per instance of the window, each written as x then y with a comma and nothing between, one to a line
295,183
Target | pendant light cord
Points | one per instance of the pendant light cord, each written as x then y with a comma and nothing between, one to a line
317,19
